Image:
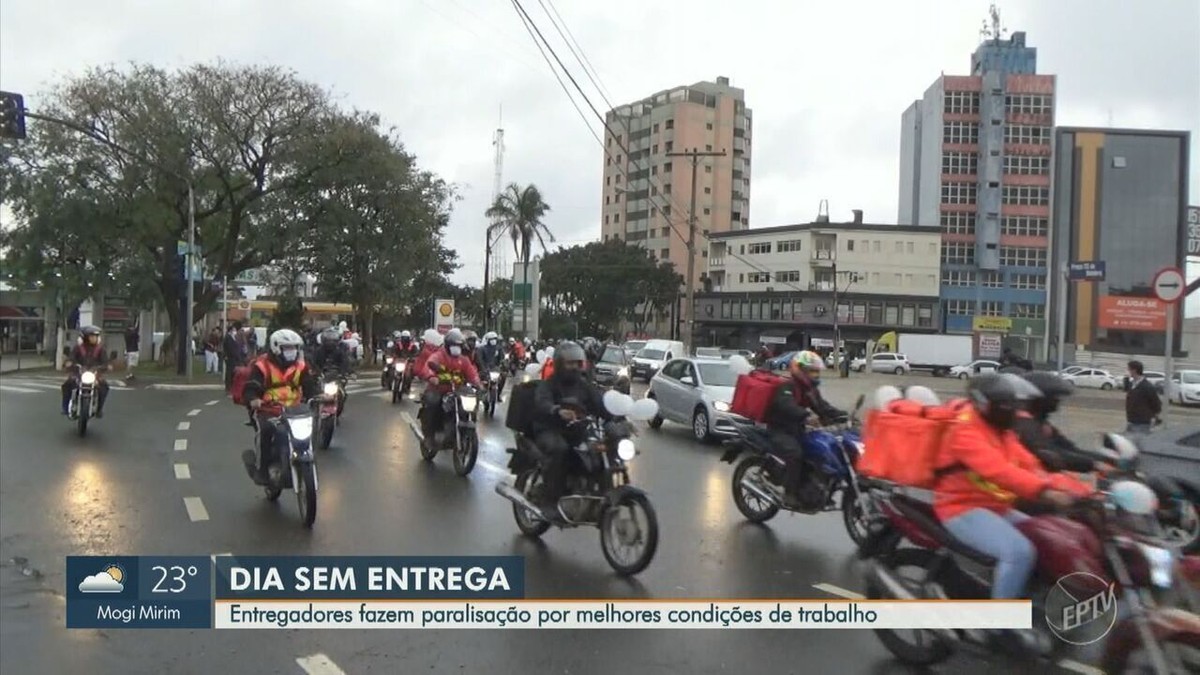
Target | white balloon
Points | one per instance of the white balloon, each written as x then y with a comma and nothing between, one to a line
739,365
885,395
540,356
533,369
644,409
617,403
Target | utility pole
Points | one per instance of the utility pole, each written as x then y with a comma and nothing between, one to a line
839,356
487,264
695,156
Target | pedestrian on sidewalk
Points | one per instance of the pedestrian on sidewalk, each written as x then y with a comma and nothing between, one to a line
212,351
133,339
1142,405
233,349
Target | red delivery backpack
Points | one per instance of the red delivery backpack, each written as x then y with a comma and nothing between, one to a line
752,394
902,441
241,375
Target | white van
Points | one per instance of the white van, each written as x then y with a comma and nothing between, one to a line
654,356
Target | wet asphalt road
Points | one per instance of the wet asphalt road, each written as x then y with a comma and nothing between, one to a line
121,491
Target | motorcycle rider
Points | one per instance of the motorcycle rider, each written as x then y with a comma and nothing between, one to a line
331,354
796,404
87,354
551,420
488,357
278,379
444,370
431,342
1055,451
983,470
471,343
403,345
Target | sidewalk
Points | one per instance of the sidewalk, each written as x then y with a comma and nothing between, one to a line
11,363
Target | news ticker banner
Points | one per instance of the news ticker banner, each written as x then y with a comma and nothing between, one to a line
463,592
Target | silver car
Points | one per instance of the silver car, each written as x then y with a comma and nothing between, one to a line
696,392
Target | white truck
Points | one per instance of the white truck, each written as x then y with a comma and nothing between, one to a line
936,353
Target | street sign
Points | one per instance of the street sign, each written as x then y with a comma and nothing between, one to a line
1169,284
1090,270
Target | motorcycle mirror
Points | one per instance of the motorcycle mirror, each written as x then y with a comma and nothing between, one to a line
644,410
617,403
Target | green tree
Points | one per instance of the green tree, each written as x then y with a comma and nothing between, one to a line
289,313
520,210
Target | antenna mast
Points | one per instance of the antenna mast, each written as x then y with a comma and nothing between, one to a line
500,252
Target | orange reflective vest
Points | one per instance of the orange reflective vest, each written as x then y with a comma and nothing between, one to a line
281,386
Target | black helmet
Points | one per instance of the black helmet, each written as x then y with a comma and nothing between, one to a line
470,337
1053,389
568,351
998,397
453,337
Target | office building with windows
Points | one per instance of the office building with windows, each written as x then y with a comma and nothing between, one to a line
976,154
1120,198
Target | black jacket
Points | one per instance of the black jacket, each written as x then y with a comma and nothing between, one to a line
1056,452
787,414
552,392
326,357
256,384
487,357
1142,404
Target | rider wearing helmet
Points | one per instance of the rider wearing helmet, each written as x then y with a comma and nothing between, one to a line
470,343
278,379
982,470
403,345
558,401
431,342
796,404
89,353
331,354
1039,436
444,370
488,358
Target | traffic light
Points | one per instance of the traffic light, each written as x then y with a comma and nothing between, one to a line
12,115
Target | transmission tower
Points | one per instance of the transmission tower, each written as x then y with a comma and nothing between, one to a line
500,268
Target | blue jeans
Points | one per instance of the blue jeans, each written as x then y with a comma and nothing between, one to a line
995,535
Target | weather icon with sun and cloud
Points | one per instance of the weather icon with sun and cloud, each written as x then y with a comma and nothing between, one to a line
109,580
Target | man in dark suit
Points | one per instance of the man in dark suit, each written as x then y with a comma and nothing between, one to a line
1142,405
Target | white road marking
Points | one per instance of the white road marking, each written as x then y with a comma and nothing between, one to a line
193,413
213,402
182,472
180,444
187,387
1068,664
20,390
195,509
492,468
184,426
408,419
319,664
839,591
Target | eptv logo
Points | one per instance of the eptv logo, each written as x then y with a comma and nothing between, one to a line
1081,608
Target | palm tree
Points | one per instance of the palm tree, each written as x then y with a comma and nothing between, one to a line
520,210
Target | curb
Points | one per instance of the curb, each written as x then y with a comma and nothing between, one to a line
14,375
187,387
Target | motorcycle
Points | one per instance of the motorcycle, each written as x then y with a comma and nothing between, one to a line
1113,537
401,378
385,378
493,393
85,399
293,464
830,481
459,433
328,414
1178,511
599,493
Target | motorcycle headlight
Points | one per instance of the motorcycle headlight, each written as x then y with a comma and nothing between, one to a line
389,360
626,450
469,402
331,389
400,367
301,427
494,376
1161,562
721,406
623,372
88,378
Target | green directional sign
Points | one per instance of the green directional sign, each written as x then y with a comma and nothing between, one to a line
522,294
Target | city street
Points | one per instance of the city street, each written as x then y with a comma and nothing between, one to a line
161,474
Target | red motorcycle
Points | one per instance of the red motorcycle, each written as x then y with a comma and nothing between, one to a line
1109,542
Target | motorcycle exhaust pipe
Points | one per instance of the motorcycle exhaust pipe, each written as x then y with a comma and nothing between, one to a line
759,492
513,495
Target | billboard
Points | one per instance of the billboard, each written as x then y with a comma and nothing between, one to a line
1124,313
1193,230
443,315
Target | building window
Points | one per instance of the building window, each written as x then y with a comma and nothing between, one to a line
654,171
958,278
789,276
605,222
960,132
607,198
961,102
789,245
656,127
1020,133
959,193
1028,311
891,315
908,315
667,189
664,254
909,247
758,277
759,248
1020,256
960,162
875,278
991,308
957,222
960,307
668,146
708,126
876,246
1028,282
707,211
708,148
957,253
933,248
1028,104
1027,165
1029,195
708,191
849,244
925,316
899,247
708,168
670,124
616,217
1024,226
667,167
992,280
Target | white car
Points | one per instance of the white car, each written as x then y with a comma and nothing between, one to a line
1093,378
978,367
858,364
888,362
696,392
1184,388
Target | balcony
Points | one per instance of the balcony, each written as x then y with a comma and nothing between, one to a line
820,286
716,262
824,256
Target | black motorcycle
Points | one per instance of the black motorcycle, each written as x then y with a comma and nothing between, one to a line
385,378
328,414
401,380
493,393
292,464
459,432
85,400
599,493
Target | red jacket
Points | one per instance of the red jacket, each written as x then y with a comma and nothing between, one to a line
983,469
426,351
450,370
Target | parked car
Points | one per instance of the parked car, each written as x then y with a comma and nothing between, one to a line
708,353
744,353
1184,388
858,364
781,362
976,367
696,392
1069,370
612,370
890,363
1156,378
1093,378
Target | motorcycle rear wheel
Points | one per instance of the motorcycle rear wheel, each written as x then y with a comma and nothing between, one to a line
752,513
927,648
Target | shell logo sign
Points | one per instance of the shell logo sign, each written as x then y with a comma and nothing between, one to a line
443,315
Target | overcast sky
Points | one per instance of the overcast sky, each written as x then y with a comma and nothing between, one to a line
827,81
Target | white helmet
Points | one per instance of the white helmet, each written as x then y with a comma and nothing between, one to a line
490,335
404,334
283,339
434,338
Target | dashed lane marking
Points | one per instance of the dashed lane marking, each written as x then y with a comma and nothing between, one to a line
184,426
213,402
180,444
195,509
182,471
20,390
193,413
408,418
493,468
839,591
319,664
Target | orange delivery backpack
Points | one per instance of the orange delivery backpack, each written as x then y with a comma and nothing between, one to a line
752,394
237,387
901,441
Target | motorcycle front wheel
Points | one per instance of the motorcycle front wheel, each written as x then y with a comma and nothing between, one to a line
306,496
926,647
855,516
84,410
467,452
326,432
628,543
527,523
754,508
